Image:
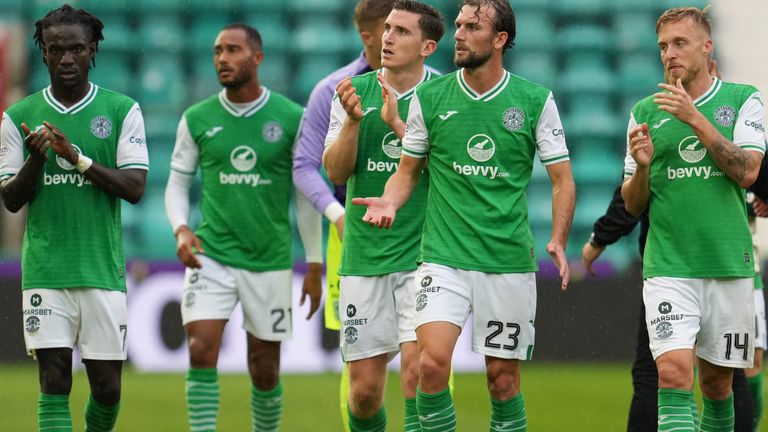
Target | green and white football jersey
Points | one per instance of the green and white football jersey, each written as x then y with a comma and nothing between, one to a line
366,251
244,152
481,149
73,236
698,216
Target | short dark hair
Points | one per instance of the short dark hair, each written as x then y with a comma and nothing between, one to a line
368,12
431,20
69,15
505,17
251,34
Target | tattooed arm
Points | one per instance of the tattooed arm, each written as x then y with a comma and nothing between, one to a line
739,164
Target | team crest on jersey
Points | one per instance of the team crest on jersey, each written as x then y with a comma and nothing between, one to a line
391,145
725,115
63,163
243,158
691,149
481,147
272,132
101,127
513,118
350,335
664,330
32,325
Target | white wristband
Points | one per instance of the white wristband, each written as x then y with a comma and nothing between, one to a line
83,163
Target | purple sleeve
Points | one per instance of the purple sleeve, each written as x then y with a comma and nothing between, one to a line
309,150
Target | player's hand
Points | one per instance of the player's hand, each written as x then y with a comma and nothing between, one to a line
37,144
312,288
589,254
389,112
60,143
186,245
349,99
380,212
641,145
557,253
760,207
340,227
676,102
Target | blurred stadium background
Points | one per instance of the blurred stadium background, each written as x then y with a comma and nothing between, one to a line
598,56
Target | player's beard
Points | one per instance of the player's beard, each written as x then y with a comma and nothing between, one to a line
241,78
472,60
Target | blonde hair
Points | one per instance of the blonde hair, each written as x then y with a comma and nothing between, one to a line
699,16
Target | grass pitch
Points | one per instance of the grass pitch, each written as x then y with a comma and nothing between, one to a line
559,397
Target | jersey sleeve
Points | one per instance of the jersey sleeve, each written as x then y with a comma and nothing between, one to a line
185,152
338,115
416,139
132,144
749,132
629,162
11,148
550,139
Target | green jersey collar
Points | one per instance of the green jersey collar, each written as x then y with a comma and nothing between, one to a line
709,94
246,109
487,96
77,107
408,93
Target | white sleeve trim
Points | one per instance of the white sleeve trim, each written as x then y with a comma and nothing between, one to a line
185,152
310,225
337,118
749,131
334,211
11,148
177,199
550,139
132,144
629,162
416,139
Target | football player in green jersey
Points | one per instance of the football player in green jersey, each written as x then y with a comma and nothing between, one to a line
242,140
377,284
697,142
70,153
477,130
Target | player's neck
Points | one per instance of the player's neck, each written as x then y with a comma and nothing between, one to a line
246,93
698,85
484,77
69,96
372,58
403,78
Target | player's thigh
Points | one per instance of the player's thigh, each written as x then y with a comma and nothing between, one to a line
760,325
266,301
504,311
51,319
727,323
368,317
104,325
442,295
404,290
672,313
209,292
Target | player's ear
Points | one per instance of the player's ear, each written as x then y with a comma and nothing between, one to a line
500,40
367,38
428,47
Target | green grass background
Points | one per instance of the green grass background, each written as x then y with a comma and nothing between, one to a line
559,397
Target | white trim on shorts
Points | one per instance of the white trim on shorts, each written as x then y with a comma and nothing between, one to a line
760,325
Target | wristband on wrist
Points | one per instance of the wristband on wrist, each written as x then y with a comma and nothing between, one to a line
83,163
593,243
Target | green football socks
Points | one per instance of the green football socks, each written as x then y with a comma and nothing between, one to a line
203,395
436,411
411,421
675,410
100,418
267,408
376,423
53,413
508,415
717,416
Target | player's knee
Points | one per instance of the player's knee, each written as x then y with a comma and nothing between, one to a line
106,391
674,376
55,379
366,397
503,381
202,354
264,371
715,387
409,375
433,370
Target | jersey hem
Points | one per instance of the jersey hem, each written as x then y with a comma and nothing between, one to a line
75,286
652,274
377,271
257,269
476,267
